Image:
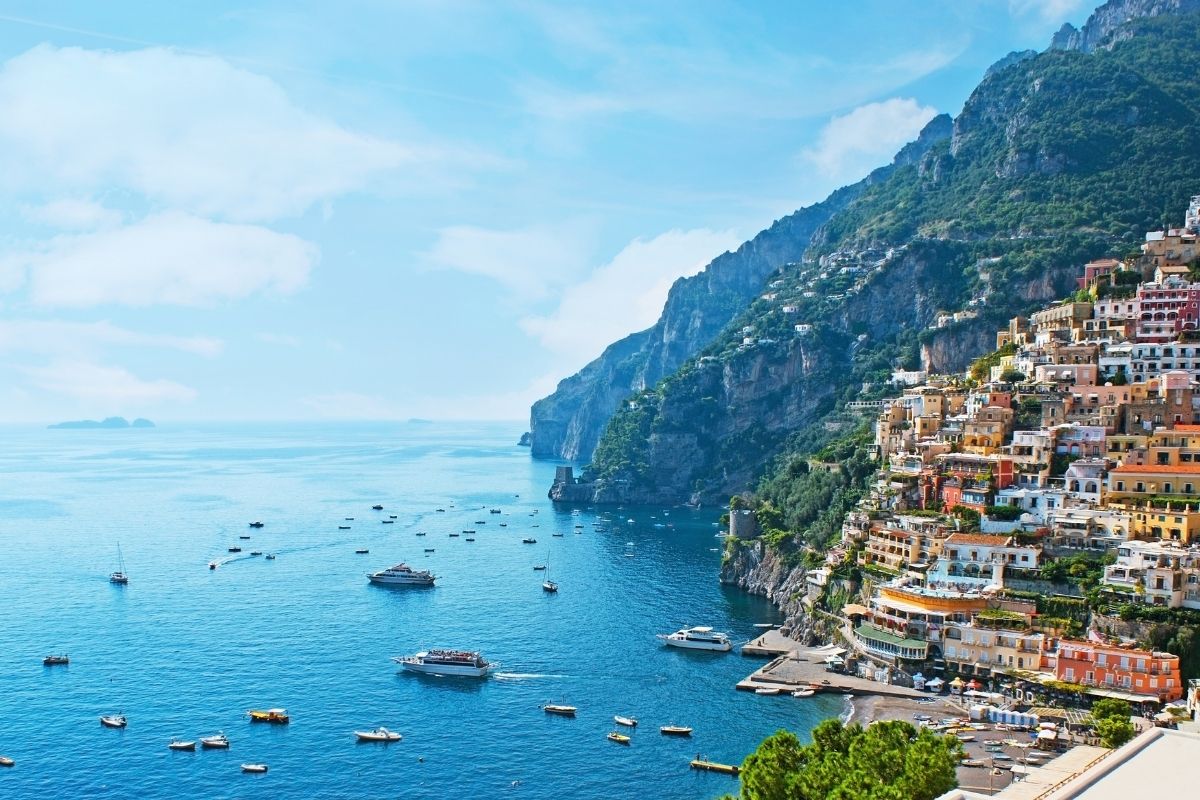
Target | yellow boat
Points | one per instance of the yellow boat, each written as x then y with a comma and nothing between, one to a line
619,738
277,716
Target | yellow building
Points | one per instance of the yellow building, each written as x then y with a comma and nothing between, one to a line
1168,520
1143,481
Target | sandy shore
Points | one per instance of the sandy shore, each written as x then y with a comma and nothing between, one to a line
874,707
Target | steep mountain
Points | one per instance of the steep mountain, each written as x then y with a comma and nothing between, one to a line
1108,24
1055,159
568,423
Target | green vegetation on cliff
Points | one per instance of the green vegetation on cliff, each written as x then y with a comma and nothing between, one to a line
1055,160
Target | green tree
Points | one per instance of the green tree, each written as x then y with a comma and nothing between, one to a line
887,761
1113,725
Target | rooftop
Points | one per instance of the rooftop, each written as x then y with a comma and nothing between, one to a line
1156,469
988,539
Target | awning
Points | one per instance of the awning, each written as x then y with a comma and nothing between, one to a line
974,684
936,683
957,683
1047,735
918,677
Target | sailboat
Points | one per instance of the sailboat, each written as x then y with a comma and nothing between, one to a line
549,585
119,576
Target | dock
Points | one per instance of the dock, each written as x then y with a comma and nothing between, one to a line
713,766
771,643
801,667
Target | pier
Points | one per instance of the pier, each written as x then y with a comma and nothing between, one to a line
799,667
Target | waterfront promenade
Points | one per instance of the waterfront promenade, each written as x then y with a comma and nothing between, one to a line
795,666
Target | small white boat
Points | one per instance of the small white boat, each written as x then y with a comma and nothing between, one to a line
560,710
215,742
114,721
804,693
628,722
179,744
5,761
675,730
768,690
380,734
254,767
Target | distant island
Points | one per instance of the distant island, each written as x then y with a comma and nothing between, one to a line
526,440
108,423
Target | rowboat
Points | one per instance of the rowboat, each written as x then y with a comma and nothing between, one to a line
804,693
628,722
675,730
50,661
380,734
619,738
214,742
768,690
254,767
562,711
114,721
177,744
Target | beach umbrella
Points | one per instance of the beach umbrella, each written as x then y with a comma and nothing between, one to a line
957,683
918,677
974,684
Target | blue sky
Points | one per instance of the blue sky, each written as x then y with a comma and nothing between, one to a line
437,209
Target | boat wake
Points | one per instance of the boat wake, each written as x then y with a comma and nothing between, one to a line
524,676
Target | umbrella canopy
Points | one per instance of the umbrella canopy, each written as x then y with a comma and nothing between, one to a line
957,683
918,677
974,684
1046,734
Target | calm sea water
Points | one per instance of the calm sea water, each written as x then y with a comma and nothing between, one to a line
185,651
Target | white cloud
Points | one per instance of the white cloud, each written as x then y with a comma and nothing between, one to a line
55,338
103,386
852,144
627,293
71,214
530,262
350,405
183,130
169,258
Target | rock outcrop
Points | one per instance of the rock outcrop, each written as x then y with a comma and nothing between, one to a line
1108,24
755,568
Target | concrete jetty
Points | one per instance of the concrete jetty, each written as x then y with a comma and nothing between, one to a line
801,667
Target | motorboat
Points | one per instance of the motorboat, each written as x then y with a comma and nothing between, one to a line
380,734
377,507
217,741
697,638
430,549
529,540
503,524
402,574
178,744
256,524
454,535
51,661
269,556
494,511
768,690
619,738
256,552
559,710
343,527
538,567
420,533
391,516
114,721
675,730
243,537
469,539
387,521
362,551
467,663
5,761
628,722
349,519
120,577
254,767
235,549
804,693
212,565
440,510
275,716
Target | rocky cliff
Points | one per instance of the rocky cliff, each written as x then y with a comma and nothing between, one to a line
569,422
759,570
1109,23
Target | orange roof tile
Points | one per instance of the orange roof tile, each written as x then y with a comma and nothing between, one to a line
1159,469
979,538
1184,428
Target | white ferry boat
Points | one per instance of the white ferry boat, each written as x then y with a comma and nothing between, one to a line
698,638
448,662
402,574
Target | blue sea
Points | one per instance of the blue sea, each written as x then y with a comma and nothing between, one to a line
184,651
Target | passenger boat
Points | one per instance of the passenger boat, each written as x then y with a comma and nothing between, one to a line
675,730
402,574
619,738
276,716
804,693
529,540
256,524
217,741
560,710
177,744
380,734
5,761
628,722
114,721
468,663
120,577
254,767
698,638
51,661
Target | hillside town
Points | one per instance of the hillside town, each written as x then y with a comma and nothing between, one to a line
1074,446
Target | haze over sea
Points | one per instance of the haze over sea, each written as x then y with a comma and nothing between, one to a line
185,651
